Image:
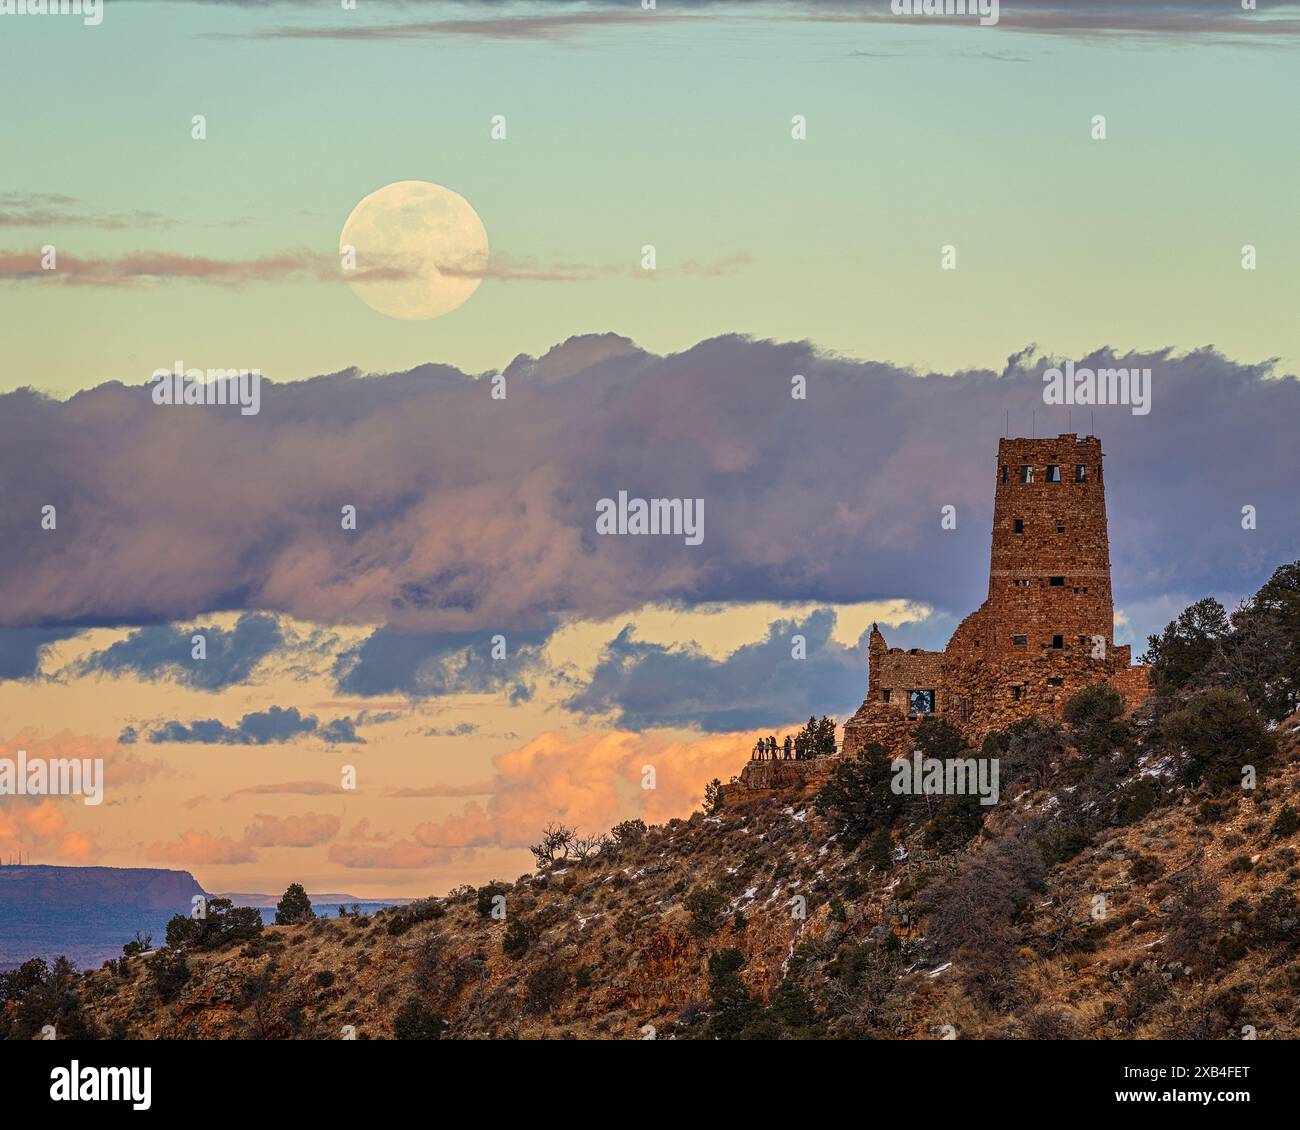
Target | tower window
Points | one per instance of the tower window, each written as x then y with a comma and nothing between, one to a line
920,702
1019,641
1054,682
1026,473
1056,582
1004,472
1016,692
1099,472
1053,472
1080,473
1020,525
886,693
1060,527
1058,642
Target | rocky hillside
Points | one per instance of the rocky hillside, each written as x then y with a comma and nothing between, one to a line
1171,913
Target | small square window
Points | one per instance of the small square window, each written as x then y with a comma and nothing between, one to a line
1054,682
1053,472
1058,642
1020,525
1080,473
1056,582
920,702
1016,692
1026,473
1060,528
1019,641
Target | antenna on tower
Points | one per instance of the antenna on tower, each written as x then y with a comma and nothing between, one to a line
1034,418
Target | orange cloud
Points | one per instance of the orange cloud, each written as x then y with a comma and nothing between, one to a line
193,848
430,843
39,827
590,782
307,830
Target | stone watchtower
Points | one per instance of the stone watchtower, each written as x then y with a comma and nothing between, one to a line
1046,630
1049,569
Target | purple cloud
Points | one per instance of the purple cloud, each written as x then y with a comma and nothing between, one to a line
477,514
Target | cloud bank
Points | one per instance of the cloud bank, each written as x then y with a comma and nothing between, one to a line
477,514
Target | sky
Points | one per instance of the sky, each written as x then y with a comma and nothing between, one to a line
473,650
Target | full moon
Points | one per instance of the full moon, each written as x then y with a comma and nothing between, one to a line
420,250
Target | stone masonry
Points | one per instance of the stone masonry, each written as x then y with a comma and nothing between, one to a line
1045,631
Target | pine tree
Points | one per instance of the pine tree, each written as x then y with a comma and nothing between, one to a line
294,906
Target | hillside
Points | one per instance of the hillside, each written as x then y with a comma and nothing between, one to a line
690,930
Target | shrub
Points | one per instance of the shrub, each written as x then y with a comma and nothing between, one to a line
704,904
956,822
545,985
169,972
222,923
1144,869
557,840
325,978
41,995
141,943
485,898
1215,736
1135,801
415,1020
984,894
858,798
1094,716
629,833
879,852
518,938
1287,823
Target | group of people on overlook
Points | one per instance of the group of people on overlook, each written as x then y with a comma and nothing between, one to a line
768,750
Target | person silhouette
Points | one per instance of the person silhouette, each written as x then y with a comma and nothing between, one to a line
789,744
